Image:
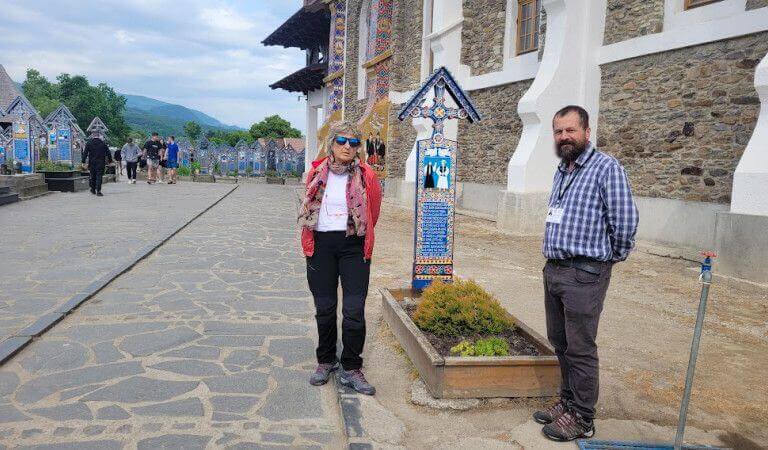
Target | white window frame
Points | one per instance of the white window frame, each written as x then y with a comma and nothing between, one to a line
676,17
362,50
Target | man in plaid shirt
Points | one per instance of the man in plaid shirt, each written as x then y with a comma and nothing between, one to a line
591,224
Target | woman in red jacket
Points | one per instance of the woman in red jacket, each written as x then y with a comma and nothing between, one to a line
338,216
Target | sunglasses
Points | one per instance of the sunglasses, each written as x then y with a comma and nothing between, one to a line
353,142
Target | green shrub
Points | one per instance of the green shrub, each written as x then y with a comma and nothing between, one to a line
484,347
459,309
52,166
183,171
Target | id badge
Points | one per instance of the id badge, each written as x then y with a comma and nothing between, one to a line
555,215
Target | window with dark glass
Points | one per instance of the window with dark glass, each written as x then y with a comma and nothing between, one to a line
528,25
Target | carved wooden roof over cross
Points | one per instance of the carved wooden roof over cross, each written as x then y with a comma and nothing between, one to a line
441,81
23,107
60,116
97,126
8,90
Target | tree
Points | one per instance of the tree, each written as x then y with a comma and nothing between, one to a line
192,130
83,100
274,127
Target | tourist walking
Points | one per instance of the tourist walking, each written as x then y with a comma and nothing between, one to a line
591,225
118,164
130,153
97,154
172,159
337,219
153,150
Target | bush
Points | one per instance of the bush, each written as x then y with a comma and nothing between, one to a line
52,166
184,171
484,347
459,309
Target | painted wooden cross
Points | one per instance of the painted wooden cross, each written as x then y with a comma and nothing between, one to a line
436,178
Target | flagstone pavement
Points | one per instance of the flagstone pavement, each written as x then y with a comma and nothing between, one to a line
55,246
208,343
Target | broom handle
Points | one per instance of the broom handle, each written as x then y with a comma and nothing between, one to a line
706,280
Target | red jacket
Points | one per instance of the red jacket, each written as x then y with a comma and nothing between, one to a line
373,192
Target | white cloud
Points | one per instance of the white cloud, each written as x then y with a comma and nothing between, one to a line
225,19
202,54
123,37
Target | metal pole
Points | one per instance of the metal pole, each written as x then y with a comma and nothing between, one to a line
706,280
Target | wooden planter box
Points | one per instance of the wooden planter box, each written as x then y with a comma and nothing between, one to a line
474,377
67,181
275,180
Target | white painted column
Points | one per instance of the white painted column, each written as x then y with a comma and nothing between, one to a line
750,181
315,101
568,74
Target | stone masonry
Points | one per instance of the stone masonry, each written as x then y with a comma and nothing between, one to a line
353,108
754,4
627,19
679,120
485,148
406,74
482,35
406,42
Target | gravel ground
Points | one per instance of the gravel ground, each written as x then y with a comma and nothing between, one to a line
644,341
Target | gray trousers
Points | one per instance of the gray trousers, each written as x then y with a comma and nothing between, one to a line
573,300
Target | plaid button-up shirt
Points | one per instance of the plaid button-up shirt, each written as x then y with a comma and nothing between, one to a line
599,215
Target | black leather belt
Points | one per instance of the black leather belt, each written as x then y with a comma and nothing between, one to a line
589,265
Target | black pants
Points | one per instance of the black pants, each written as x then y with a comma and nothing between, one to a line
97,173
131,166
338,256
573,300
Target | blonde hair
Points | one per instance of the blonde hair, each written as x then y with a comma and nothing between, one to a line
337,128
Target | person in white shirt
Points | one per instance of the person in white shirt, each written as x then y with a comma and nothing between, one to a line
337,217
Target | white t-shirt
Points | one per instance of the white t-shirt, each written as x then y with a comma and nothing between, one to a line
333,211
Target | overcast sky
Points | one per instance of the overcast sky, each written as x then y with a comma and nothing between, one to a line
205,55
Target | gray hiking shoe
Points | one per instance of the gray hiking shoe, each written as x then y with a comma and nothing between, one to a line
322,373
356,380
550,414
569,426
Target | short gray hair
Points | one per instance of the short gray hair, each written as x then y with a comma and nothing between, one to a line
342,127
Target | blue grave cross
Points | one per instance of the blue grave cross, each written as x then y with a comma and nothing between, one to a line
435,179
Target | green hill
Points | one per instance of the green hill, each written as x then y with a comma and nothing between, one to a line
148,115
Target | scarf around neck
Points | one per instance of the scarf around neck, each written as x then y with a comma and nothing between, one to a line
356,195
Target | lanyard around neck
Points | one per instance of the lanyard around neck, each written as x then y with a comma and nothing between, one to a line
573,175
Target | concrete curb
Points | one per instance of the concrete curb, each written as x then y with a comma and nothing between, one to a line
351,417
15,343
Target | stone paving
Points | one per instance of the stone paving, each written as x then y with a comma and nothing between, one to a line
206,343
55,246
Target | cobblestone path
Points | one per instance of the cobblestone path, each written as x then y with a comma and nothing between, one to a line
55,246
208,343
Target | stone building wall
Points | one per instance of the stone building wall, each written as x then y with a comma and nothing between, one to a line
486,147
353,108
406,73
407,22
627,19
754,4
482,35
680,120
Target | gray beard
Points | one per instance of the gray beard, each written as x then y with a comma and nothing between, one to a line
572,153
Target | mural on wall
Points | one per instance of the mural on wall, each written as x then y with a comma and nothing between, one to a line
337,49
375,120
